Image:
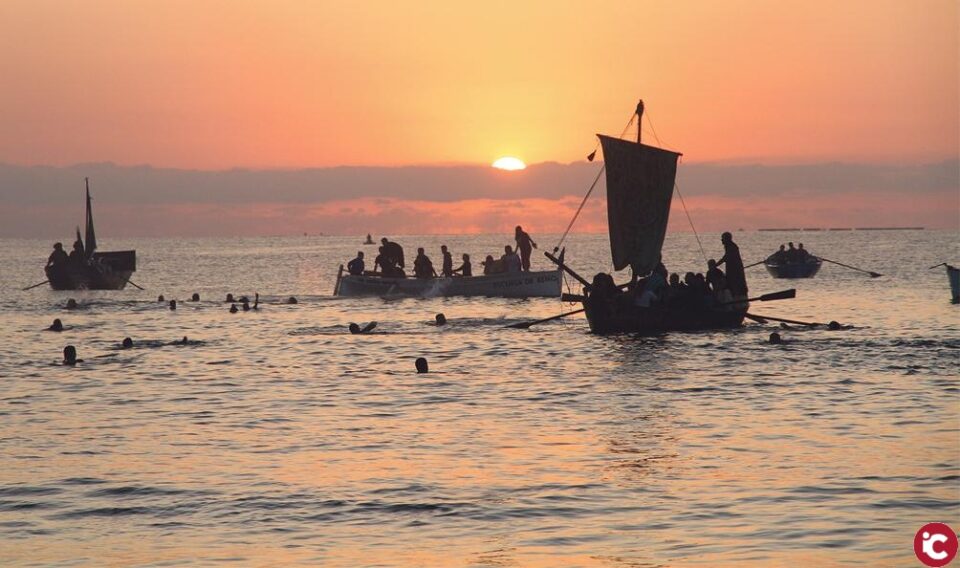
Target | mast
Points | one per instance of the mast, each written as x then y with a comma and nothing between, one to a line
639,119
91,244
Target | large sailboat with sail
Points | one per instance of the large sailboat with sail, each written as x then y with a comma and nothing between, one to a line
640,183
88,269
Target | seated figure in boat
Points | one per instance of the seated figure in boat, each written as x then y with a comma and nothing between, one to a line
653,287
393,251
423,266
715,277
491,266
58,257
778,257
802,253
447,268
355,266
511,261
76,255
791,254
387,265
465,269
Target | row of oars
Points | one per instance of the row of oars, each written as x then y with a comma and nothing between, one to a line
870,272
131,282
782,295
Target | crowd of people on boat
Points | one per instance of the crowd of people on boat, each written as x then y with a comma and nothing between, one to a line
390,263
790,255
696,290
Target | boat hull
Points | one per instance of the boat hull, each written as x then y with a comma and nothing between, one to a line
106,271
953,274
794,269
605,318
543,284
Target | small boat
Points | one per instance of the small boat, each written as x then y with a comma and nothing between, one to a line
640,184
95,270
806,268
953,274
541,284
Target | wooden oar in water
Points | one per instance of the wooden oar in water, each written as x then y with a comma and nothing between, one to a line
870,272
781,295
763,319
754,264
527,324
34,286
937,265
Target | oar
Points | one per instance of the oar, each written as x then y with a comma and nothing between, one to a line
937,266
45,281
782,295
754,264
761,319
527,324
134,284
871,273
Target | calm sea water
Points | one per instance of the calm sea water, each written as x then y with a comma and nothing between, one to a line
277,438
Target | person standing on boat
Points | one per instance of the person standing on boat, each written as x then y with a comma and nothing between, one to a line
525,245
423,266
736,279
511,262
355,266
447,270
58,256
466,269
394,251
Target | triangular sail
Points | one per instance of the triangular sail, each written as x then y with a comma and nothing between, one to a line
640,182
91,239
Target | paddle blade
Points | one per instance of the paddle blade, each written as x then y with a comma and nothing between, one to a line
875,275
782,295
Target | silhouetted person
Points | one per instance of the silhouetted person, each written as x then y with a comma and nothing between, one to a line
791,254
393,251
183,341
57,325
246,305
160,298
70,355
802,254
421,365
715,277
525,246
490,266
195,297
233,309
356,329
173,305
76,255
243,299
71,304
736,279
229,299
423,266
465,269
355,267
775,339
447,267
127,343
58,257
441,319
256,301
291,300
369,240
511,262
778,257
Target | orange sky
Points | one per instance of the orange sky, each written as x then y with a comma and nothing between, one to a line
288,83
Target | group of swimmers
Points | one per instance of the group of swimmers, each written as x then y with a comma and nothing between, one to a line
790,255
389,262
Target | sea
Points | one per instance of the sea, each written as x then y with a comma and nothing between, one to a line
276,438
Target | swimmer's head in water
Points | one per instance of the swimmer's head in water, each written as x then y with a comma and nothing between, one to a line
229,298
127,343
69,355
441,319
173,304
775,339
246,306
291,300
71,304
57,325
834,325
160,298
195,297
354,328
233,308
421,365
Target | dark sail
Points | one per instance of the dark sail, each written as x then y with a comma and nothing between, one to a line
640,181
91,236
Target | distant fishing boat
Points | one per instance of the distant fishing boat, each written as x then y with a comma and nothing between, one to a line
541,284
953,274
92,270
640,184
806,268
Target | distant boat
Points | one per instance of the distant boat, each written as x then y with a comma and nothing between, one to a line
640,185
541,284
93,270
954,275
369,240
805,268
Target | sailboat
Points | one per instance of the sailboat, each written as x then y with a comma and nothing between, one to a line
89,269
640,183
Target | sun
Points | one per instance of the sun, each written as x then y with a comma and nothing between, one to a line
509,163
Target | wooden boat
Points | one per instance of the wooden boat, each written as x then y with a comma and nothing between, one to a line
953,274
95,270
804,269
640,183
542,284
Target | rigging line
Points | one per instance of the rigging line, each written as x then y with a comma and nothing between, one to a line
592,185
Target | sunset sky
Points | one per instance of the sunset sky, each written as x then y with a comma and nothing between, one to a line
260,84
